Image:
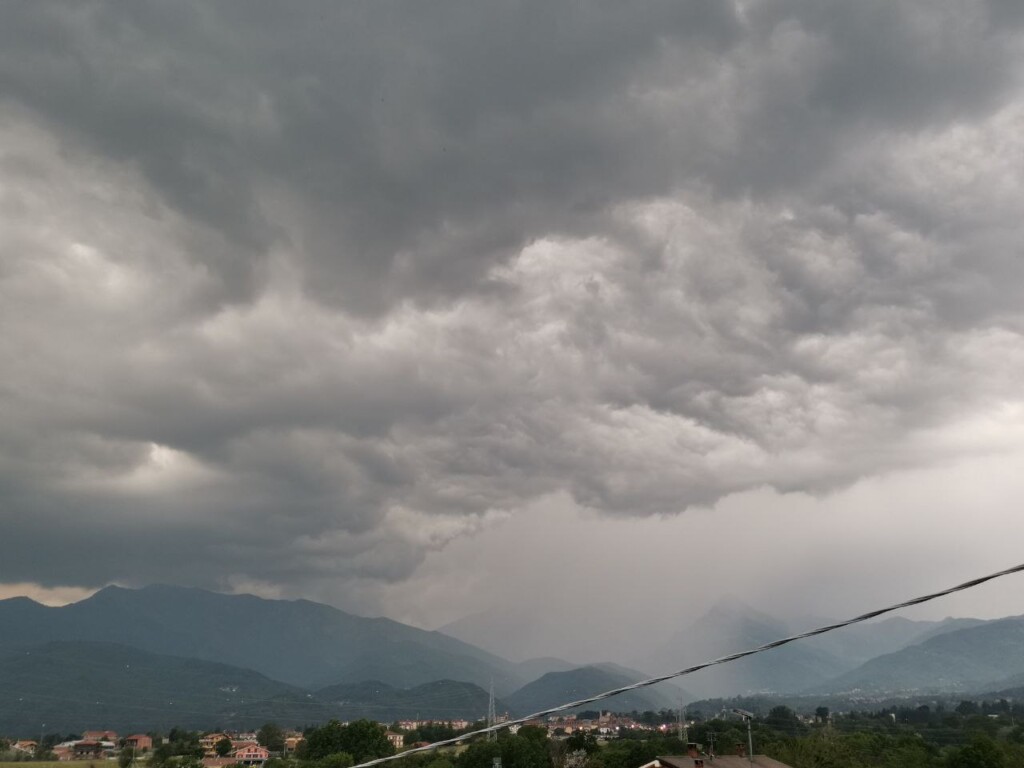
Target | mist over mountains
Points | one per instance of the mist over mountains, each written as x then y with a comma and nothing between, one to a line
822,664
163,656
555,688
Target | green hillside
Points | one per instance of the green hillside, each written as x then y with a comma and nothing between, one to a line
961,660
72,686
300,642
438,700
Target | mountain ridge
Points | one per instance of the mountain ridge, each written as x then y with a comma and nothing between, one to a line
556,688
299,642
74,685
959,660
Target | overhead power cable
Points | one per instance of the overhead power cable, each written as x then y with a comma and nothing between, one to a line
697,667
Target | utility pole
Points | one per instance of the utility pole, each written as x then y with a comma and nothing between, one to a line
684,731
492,717
681,721
748,716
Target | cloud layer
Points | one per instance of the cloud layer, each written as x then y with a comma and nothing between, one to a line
291,298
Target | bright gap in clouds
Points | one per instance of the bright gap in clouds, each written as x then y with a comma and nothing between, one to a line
52,596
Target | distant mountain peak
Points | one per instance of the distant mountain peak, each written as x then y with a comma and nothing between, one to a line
732,610
21,600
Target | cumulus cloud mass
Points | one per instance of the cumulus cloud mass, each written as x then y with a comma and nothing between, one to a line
299,295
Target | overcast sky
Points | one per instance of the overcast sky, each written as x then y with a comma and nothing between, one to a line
591,309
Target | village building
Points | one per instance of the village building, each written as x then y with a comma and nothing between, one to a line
251,755
109,736
209,743
64,752
88,750
139,742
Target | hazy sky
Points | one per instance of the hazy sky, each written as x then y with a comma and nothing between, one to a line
576,309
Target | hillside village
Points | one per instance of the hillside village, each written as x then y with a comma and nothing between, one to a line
224,748
221,749
986,734
218,749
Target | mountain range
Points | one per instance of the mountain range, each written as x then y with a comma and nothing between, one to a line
984,657
162,656
816,664
299,642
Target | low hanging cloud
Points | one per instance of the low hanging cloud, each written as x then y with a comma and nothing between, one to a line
301,296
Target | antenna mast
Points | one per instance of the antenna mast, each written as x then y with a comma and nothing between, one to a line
492,716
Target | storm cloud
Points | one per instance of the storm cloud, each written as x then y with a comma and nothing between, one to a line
294,295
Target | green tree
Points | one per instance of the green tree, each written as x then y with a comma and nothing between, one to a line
271,736
366,740
363,740
582,741
982,752
430,732
337,760
479,754
323,741
981,724
784,720
966,707
534,733
524,752
814,752
909,752
161,755
223,747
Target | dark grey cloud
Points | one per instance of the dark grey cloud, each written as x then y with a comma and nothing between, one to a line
396,129
304,295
